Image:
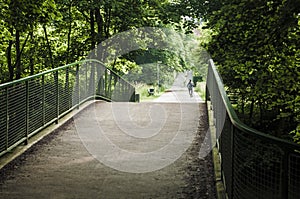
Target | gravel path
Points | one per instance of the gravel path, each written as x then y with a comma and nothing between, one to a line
60,166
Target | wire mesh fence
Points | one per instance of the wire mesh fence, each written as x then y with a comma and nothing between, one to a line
253,164
294,175
30,104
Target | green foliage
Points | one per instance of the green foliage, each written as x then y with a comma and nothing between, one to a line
122,66
142,89
256,47
39,35
296,134
200,89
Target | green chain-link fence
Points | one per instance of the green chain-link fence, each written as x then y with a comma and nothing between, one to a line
30,104
253,164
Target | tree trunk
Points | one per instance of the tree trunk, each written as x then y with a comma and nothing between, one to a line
107,22
100,35
99,20
92,23
69,34
9,61
19,52
93,44
31,59
48,46
18,55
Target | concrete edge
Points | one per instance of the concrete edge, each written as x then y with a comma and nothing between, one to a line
220,188
19,150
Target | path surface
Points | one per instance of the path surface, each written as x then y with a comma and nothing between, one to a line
119,150
179,92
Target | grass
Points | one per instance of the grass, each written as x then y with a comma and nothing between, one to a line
200,89
142,89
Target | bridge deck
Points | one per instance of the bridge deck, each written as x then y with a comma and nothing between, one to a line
119,150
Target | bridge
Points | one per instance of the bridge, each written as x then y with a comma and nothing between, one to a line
77,132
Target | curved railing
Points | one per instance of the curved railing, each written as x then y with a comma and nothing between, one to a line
253,164
30,104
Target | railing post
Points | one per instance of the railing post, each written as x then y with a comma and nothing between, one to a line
7,116
92,86
116,89
105,83
284,174
66,92
27,111
98,91
109,85
43,100
123,91
133,95
86,80
57,96
232,131
206,94
77,86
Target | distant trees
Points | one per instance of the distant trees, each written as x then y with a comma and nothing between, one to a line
40,35
256,47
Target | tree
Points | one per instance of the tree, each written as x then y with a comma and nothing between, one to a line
45,34
21,20
256,47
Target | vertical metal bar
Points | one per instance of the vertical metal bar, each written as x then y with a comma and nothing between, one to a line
120,88
43,99
77,85
57,96
27,111
7,117
123,91
115,92
232,132
97,80
133,95
93,80
98,92
206,94
285,175
67,87
111,76
101,85
86,80
105,83
207,85
109,84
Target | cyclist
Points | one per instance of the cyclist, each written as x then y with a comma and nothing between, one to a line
190,87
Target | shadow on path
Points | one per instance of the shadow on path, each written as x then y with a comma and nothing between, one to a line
60,166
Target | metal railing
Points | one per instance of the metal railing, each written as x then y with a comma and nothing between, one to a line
253,164
30,104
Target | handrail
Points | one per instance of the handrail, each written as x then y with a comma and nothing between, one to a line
235,119
253,164
30,104
57,69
